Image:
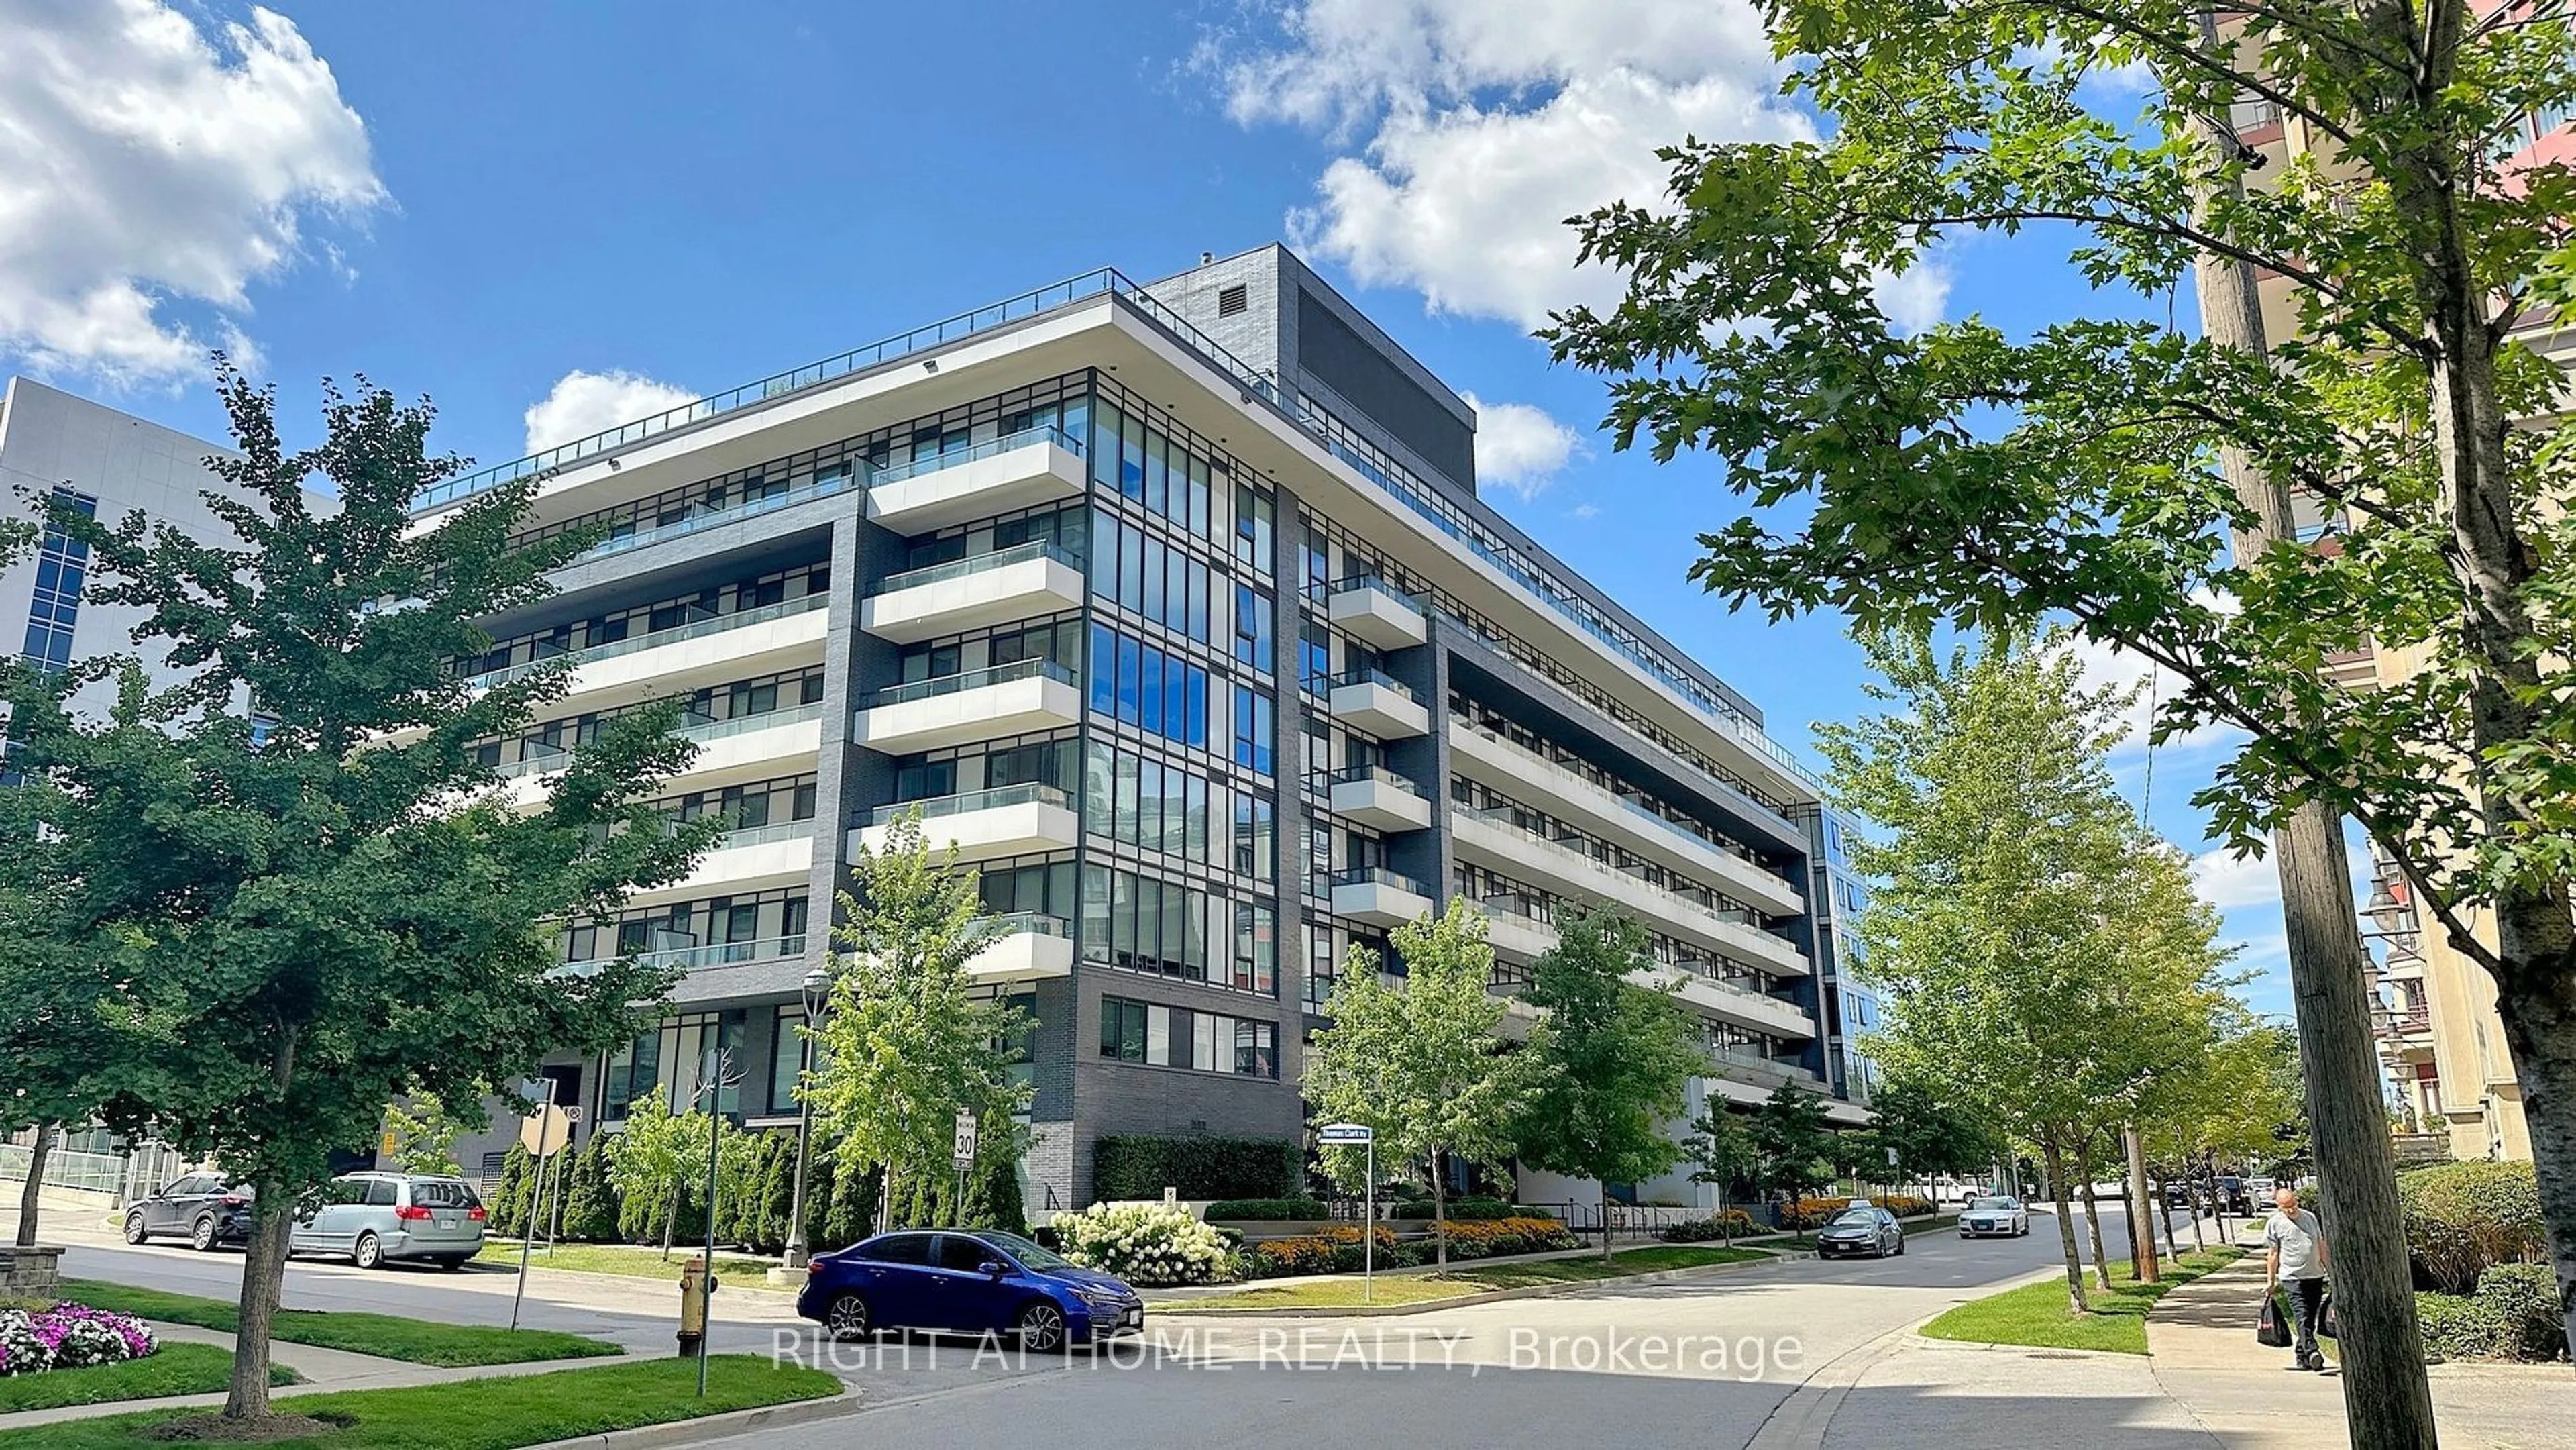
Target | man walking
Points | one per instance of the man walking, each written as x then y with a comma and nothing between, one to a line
2295,1249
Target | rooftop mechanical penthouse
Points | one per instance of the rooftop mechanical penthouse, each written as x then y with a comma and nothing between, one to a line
1174,606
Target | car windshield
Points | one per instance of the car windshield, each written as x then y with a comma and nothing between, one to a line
1856,1218
1030,1253
1992,1203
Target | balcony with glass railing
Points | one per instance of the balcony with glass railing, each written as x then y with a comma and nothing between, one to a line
1378,703
627,532
1371,610
1019,698
741,650
1022,470
1378,797
700,958
1023,946
1380,897
983,825
1502,840
537,758
980,592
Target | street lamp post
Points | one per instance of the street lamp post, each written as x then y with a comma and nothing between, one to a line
818,1002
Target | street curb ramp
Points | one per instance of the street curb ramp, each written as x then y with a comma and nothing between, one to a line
715,1427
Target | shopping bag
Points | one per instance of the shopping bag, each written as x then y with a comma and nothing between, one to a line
2326,1318
2273,1327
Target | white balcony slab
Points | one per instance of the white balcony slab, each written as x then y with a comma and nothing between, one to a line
766,647
1536,781
756,864
731,753
1019,478
1023,956
1741,1007
1385,804
993,833
1380,903
1378,615
980,712
1025,589
1380,709
1516,937
1566,872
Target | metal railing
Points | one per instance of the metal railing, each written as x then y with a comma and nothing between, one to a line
1353,774
1369,677
1026,923
932,689
1380,876
696,958
897,472
590,654
980,564
706,519
557,757
933,807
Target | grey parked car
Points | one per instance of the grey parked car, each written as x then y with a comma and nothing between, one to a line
372,1217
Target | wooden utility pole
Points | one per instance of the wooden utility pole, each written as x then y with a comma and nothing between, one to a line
2388,1404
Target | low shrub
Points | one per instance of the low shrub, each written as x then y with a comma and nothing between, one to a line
1472,1210
2458,1327
1493,1238
2524,1300
1905,1205
1143,1243
1334,1250
1267,1208
2465,1218
69,1336
1734,1223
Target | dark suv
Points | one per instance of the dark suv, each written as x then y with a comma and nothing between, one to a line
203,1208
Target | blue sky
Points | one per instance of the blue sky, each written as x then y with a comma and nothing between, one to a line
478,201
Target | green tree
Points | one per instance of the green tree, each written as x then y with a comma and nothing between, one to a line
660,1155
1931,1135
424,1137
1614,1067
2094,466
1793,1144
1722,1151
591,1210
1421,1063
909,1042
284,928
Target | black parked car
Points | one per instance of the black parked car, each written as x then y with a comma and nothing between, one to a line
1858,1232
201,1207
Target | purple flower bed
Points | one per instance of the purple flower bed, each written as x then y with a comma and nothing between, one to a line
69,1336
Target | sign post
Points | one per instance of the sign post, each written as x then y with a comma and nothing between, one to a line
962,1153
1366,1137
545,1129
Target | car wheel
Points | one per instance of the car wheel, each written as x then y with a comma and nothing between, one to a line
369,1253
135,1232
1042,1327
846,1317
201,1234
1900,1246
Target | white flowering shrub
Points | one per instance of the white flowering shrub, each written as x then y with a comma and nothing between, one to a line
1143,1243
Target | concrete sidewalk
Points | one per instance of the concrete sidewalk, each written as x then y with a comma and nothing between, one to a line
2200,1342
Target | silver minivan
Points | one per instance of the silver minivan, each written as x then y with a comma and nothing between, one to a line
369,1218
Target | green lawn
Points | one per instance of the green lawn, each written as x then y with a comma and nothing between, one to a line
633,1263
417,1341
2036,1314
485,1414
175,1369
1345,1292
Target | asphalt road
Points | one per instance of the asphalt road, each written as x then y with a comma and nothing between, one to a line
1701,1362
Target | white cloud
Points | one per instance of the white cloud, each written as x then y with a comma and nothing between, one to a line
2108,665
2229,881
584,403
1519,448
1488,122
148,166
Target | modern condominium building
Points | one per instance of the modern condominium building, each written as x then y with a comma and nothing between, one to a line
1174,607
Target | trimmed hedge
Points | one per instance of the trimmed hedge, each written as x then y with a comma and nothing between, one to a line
2465,1218
1735,1223
1272,1209
1141,1166
1808,1213
1905,1205
1472,1210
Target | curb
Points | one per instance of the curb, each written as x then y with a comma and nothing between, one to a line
1491,1296
714,1427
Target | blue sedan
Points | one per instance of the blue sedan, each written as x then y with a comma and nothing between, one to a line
977,1281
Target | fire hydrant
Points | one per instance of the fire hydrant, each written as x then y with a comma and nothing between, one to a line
695,1285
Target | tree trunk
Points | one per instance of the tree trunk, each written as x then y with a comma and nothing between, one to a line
2539,1015
2092,1217
263,1283
670,1221
2055,1158
2142,1209
1440,1218
2164,1210
1725,1226
2191,1191
31,1200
